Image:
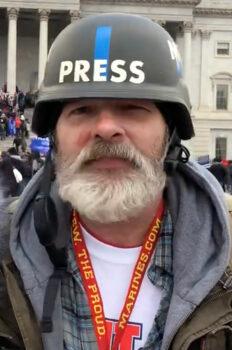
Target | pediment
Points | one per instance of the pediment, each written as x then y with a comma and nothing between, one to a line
222,76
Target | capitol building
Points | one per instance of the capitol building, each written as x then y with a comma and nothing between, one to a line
202,30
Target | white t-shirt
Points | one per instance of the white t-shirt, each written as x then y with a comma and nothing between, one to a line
113,268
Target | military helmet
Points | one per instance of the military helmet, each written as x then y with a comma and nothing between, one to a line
113,56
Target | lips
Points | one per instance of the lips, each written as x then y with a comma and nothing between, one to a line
109,164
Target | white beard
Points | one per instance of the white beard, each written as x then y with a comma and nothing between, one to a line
110,196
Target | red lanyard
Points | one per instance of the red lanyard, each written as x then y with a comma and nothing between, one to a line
90,283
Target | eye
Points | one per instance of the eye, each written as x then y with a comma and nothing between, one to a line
132,107
81,110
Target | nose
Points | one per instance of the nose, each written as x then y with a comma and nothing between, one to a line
108,127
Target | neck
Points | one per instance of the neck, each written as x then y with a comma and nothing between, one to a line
125,234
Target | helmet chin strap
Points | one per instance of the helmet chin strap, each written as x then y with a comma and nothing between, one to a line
177,153
52,143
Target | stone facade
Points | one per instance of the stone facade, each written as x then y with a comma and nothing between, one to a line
202,30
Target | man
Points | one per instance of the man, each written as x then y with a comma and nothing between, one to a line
118,242
8,181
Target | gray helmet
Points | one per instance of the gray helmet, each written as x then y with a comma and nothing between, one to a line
114,56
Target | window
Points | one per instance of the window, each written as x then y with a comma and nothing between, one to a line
223,48
222,88
221,147
222,96
220,143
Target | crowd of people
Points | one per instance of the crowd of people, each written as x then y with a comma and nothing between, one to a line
12,121
16,170
18,164
9,102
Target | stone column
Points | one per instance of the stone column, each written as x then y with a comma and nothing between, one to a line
187,28
179,41
205,82
74,15
43,44
12,49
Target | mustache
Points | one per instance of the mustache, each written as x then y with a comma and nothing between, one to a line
103,149
111,150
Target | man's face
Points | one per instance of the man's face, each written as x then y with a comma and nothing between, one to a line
110,156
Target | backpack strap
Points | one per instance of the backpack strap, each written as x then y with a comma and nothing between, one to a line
46,226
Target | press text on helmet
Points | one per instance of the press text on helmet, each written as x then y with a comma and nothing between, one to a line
80,71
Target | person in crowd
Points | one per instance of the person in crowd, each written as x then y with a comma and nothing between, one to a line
27,128
222,174
9,177
17,142
23,163
27,159
21,101
2,129
18,123
11,100
230,174
4,121
37,161
11,131
23,143
219,171
23,127
119,241
20,143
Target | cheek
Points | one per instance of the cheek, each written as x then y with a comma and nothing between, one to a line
71,139
150,140
145,136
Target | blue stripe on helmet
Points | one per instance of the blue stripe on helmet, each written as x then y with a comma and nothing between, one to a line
102,43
